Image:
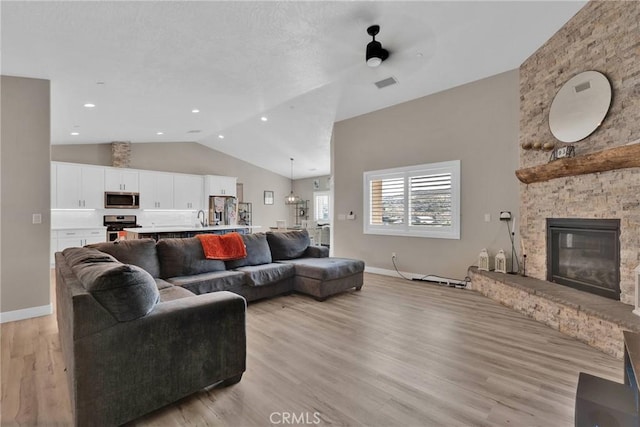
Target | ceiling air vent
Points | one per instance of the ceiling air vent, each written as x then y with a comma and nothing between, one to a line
194,131
386,82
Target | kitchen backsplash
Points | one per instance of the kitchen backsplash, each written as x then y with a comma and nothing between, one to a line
80,218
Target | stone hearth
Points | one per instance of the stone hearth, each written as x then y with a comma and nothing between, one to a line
595,320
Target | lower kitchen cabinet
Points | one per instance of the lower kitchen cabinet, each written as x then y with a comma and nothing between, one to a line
72,237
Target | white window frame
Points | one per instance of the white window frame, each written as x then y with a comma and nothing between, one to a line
315,207
406,229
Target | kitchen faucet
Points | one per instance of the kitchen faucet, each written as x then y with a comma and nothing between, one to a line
203,220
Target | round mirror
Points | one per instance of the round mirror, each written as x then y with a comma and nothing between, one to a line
580,106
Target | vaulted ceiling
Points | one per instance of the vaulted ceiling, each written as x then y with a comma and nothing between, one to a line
147,65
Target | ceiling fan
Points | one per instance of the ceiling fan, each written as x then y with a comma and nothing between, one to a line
376,54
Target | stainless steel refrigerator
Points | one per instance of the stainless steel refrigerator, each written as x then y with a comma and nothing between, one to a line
223,210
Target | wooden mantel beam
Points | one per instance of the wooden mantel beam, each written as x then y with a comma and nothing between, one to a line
626,156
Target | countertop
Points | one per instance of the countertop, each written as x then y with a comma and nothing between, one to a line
81,227
184,228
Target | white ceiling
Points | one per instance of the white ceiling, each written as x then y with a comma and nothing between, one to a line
300,64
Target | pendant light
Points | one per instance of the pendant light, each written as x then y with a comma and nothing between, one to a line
292,199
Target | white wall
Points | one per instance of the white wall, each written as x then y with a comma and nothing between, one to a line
476,123
24,188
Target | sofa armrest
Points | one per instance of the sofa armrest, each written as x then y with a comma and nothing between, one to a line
180,347
316,252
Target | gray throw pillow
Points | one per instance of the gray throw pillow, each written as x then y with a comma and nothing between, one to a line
288,244
127,291
258,251
140,252
75,256
184,257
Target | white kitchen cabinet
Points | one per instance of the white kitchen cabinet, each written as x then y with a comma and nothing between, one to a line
53,247
79,187
70,238
117,179
54,186
156,190
188,191
216,185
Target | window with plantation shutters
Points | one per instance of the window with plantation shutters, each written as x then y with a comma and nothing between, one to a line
422,201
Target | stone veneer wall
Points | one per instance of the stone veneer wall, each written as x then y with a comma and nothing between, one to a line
603,36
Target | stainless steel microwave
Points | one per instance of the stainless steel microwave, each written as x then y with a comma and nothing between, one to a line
119,200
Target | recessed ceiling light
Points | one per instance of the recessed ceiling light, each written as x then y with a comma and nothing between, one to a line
221,136
263,118
75,133
195,110
89,105
159,133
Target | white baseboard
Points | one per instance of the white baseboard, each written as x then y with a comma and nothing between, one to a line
26,313
394,273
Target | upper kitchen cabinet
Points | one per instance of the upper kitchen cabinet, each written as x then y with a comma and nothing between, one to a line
156,190
79,186
188,191
116,179
216,185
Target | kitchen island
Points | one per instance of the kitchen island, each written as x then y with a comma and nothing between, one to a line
165,232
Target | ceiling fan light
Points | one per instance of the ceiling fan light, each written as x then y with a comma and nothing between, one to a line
375,54
374,61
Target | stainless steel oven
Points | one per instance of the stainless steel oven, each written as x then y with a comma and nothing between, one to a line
116,223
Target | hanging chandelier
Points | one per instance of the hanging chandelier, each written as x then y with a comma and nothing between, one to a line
292,199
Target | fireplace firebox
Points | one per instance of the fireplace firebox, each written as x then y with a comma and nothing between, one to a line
585,254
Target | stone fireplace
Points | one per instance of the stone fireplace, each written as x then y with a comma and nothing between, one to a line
584,254
602,36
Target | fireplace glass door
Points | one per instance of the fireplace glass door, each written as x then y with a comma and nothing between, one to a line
585,255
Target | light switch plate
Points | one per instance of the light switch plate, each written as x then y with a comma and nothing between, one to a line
36,218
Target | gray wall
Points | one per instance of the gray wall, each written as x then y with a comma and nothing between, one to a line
476,123
191,157
24,186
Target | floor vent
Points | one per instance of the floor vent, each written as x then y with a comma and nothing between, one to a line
386,82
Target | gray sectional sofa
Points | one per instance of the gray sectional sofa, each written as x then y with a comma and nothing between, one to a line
276,263
143,324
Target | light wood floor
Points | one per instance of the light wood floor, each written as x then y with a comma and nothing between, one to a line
398,353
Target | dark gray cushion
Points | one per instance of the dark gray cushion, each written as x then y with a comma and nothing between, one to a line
126,291
184,257
266,274
326,268
317,252
210,282
173,293
140,252
258,251
162,284
75,256
287,244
